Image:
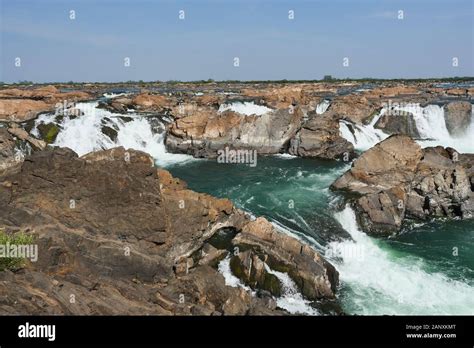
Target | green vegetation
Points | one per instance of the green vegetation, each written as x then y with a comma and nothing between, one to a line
13,263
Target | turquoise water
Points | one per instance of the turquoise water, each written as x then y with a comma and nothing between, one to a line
428,269
291,192
417,272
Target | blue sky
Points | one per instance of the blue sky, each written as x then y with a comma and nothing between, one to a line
269,45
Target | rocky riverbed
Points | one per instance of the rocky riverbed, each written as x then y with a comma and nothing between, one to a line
118,235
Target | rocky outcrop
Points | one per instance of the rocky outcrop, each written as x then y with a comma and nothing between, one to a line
19,105
115,235
355,108
392,92
204,133
314,275
8,157
396,179
458,116
281,97
22,134
320,137
399,123
19,110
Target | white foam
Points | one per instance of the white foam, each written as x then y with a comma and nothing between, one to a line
83,134
245,108
385,284
322,107
429,121
114,95
291,299
364,137
285,156
230,279
431,124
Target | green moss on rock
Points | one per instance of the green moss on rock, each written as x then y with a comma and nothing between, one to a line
48,132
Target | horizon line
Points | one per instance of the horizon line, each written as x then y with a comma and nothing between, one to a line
210,81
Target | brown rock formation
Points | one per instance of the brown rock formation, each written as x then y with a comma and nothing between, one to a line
397,179
117,236
202,134
19,105
320,137
458,116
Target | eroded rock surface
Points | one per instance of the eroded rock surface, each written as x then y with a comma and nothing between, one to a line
122,237
320,137
397,179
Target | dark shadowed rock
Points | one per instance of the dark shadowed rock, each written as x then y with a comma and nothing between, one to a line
398,124
458,116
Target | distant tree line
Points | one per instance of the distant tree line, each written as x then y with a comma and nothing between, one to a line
326,78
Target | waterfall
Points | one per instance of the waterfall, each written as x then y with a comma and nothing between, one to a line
322,107
85,133
291,299
429,121
363,137
382,282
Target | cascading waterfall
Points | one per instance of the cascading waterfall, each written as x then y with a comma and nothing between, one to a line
374,278
429,120
430,123
362,137
85,134
322,107
230,279
395,284
291,299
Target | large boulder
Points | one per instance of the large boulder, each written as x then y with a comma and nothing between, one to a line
316,277
20,110
389,163
403,123
397,179
320,137
355,108
458,117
